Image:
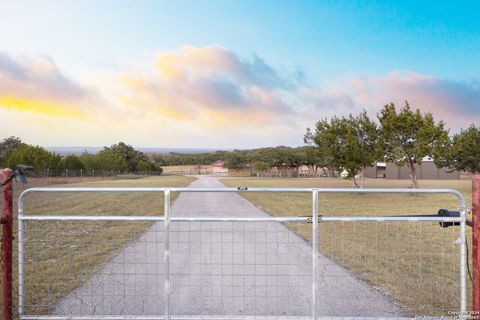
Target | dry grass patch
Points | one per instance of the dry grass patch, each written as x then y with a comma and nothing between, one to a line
416,264
186,168
61,256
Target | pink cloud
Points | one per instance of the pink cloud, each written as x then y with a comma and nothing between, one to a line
456,103
211,84
212,92
37,85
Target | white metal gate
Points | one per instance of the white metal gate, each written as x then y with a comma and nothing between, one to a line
265,289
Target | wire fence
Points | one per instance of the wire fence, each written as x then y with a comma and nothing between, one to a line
416,271
169,266
53,177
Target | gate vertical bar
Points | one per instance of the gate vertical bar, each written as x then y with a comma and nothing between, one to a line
476,241
21,254
314,252
7,245
463,261
166,257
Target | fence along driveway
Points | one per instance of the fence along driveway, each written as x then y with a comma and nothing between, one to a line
212,264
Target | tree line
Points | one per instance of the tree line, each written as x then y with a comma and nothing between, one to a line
403,137
119,157
352,143
260,159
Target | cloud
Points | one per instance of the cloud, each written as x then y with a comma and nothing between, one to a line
456,103
210,93
207,96
37,86
213,86
37,78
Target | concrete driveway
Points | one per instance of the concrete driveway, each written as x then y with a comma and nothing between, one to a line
233,269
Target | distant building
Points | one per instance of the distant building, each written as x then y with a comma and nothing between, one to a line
376,171
426,170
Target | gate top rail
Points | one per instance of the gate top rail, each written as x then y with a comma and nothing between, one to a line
459,196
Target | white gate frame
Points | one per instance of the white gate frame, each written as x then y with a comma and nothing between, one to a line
166,218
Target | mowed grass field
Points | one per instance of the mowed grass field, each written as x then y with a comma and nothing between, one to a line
61,256
415,264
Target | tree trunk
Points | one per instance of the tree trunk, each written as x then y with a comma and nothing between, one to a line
355,184
413,175
363,178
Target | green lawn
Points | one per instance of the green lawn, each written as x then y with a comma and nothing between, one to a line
415,264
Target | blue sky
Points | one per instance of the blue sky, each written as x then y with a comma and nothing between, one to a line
333,57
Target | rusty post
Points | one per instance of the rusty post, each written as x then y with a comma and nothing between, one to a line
7,249
476,241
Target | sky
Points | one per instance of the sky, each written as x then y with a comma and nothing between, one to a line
228,74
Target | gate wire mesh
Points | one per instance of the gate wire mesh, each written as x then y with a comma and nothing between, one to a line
240,269
415,265
72,269
402,266
216,268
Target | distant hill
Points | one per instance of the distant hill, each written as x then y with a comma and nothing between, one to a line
93,150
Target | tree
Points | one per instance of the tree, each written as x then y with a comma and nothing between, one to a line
8,145
33,155
409,136
261,166
349,144
317,156
361,143
71,162
88,160
129,155
109,160
146,166
235,160
314,158
463,151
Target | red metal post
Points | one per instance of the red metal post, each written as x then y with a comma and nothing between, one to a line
7,249
476,241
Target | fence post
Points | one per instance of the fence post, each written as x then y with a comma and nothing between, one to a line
476,241
7,240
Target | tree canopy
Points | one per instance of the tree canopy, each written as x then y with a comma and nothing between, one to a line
8,145
407,137
119,158
33,155
463,151
349,144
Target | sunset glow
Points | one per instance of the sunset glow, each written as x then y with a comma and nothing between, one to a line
226,81
45,108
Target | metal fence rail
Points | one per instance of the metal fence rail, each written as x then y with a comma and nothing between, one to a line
179,233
